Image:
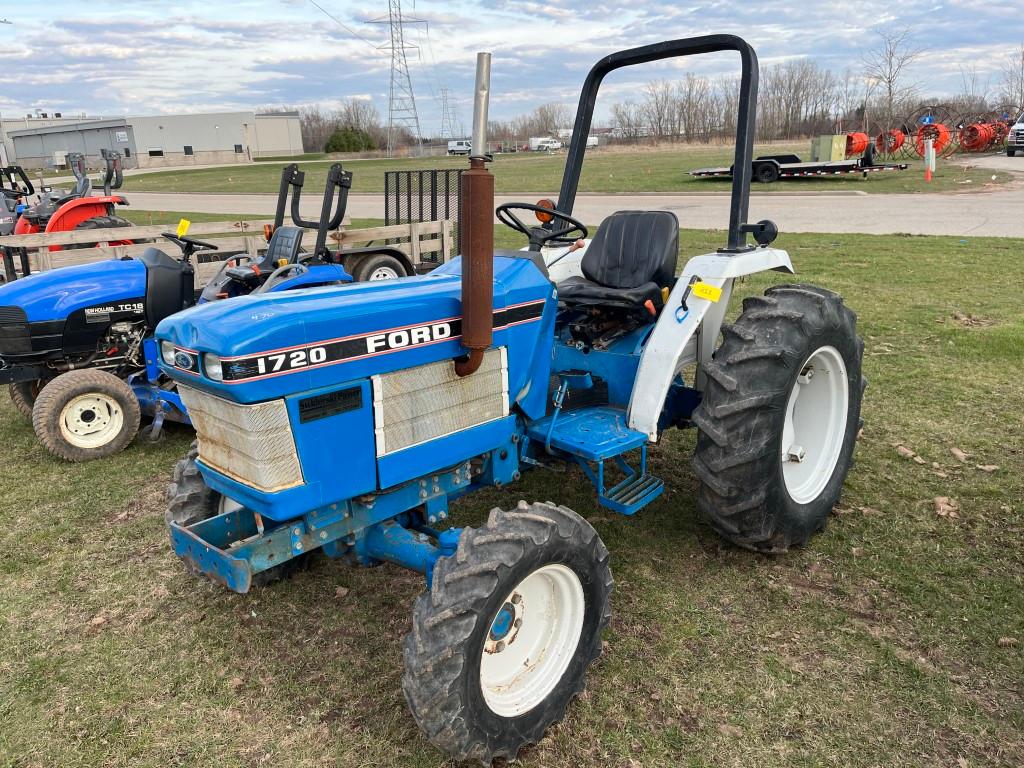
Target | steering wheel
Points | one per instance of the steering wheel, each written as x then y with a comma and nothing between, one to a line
568,234
189,243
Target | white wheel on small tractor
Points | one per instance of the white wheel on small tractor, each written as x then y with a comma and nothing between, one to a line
779,418
502,642
85,414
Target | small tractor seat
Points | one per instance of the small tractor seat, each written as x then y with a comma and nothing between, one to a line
631,258
285,244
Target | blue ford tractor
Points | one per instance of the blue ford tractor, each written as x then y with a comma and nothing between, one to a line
345,419
76,344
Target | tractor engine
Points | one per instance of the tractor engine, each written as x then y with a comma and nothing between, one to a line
119,351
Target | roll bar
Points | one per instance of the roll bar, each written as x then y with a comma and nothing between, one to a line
17,178
690,46
339,181
113,173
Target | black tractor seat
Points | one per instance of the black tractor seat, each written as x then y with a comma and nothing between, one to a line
630,260
285,245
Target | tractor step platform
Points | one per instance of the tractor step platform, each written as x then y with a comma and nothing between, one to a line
594,434
633,493
597,434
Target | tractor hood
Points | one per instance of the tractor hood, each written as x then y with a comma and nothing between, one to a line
273,345
58,293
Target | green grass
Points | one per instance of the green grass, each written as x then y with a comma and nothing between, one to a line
610,170
876,645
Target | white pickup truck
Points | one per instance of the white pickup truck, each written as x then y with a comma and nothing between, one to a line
1015,141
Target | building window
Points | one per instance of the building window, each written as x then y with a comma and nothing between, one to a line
127,152
188,149
156,152
238,149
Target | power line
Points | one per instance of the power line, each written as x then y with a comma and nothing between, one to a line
343,25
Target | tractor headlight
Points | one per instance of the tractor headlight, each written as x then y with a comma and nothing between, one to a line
167,352
213,367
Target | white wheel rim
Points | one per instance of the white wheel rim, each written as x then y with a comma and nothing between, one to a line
816,414
91,421
531,640
383,273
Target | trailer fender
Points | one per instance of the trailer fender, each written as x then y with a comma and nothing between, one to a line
688,335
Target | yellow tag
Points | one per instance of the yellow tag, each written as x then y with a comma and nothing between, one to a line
706,292
183,226
282,262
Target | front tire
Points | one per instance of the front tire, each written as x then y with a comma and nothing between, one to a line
779,419
85,415
502,642
24,394
190,500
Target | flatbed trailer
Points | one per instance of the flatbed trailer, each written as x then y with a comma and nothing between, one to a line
770,168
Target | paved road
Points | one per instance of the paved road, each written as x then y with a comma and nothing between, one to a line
975,212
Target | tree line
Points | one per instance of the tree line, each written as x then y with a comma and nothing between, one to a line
796,99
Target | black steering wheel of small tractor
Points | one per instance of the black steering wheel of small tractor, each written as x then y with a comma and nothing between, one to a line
569,233
188,245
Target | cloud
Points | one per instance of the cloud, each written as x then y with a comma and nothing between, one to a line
157,56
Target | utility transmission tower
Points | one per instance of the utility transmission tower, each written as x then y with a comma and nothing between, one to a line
401,100
448,122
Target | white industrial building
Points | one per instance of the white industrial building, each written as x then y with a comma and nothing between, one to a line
153,141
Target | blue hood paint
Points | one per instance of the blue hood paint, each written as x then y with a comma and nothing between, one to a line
55,294
277,321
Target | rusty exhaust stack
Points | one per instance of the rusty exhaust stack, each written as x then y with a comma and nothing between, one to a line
477,233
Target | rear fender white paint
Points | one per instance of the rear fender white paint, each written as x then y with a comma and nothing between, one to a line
678,341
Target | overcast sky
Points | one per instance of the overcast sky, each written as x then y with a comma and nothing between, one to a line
151,56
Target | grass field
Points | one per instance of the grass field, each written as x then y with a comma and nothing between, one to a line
894,639
663,170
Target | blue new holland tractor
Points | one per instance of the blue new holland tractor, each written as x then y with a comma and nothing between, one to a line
76,344
345,419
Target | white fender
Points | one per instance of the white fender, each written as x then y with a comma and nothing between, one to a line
680,338
562,264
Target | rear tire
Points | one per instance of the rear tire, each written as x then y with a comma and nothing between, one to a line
473,691
102,222
24,394
378,267
779,418
190,500
85,415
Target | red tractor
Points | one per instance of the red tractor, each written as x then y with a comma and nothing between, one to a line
61,210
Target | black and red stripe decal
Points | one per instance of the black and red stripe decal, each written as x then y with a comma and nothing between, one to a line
279,362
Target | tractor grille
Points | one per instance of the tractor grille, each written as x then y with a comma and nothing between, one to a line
252,444
15,338
419,404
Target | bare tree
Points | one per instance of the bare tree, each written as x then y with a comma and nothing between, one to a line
1011,89
887,64
628,120
659,107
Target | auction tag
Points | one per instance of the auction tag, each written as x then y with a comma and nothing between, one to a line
706,292
184,224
